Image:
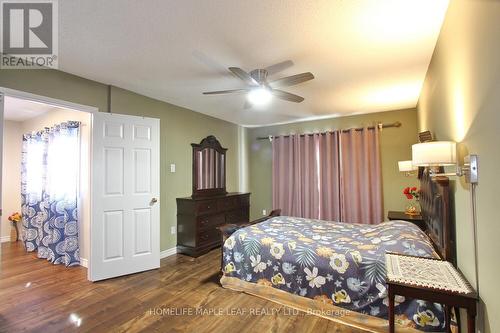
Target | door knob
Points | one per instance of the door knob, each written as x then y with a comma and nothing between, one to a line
154,200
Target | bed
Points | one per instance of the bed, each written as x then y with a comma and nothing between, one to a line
337,270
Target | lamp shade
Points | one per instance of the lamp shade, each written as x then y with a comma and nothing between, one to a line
435,153
406,166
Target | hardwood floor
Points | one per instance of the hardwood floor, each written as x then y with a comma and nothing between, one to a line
37,296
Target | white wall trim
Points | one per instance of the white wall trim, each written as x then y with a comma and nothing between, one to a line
4,239
168,252
84,262
48,100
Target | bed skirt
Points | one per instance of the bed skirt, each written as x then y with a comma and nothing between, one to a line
314,307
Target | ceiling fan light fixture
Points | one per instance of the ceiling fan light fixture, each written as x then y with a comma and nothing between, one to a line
259,96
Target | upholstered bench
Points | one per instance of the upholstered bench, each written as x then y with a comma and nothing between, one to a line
430,280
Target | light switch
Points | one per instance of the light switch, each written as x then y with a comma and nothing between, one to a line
172,168
264,212
173,230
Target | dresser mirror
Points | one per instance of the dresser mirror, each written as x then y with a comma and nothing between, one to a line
209,167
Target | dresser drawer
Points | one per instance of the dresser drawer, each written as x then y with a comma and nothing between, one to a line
244,200
210,221
208,236
227,203
198,219
206,207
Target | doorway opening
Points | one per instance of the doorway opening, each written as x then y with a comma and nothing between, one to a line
116,208
46,181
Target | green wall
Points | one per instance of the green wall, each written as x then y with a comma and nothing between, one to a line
460,101
179,128
395,146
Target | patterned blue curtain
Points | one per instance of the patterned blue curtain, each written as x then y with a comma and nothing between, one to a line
49,193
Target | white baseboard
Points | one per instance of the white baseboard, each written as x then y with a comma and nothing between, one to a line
84,262
4,239
168,252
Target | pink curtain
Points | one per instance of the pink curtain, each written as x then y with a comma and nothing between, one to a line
329,177
295,185
361,176
332,176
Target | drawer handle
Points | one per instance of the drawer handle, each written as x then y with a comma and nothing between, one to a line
203,222
204,237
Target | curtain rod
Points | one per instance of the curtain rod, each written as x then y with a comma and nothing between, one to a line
379,125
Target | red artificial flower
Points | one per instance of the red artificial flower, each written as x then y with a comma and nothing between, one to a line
409,192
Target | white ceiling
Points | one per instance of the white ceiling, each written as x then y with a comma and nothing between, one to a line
16,109
366,55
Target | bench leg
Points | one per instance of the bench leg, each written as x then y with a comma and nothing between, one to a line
391,309
471,322
447,318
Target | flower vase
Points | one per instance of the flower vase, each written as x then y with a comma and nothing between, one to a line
14,232
412,208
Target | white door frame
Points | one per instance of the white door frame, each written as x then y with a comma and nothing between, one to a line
48,100
57,103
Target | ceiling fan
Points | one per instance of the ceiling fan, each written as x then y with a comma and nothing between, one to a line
260,90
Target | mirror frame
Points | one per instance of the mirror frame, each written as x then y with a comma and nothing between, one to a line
208,142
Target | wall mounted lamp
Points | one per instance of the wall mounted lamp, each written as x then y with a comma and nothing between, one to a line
435,154
408,168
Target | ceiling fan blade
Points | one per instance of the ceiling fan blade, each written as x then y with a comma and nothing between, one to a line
222,92
243,76
273,69
292,80
287,96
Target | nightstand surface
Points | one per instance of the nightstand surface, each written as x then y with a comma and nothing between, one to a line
398,215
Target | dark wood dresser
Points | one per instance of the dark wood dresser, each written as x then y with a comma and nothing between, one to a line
199,217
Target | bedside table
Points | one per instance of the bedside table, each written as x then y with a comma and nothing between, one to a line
416,219
431,280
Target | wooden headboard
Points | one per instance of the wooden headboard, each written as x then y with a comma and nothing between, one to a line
435,205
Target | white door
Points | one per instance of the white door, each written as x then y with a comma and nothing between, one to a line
125,227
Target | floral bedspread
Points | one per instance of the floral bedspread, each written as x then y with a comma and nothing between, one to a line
339,263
